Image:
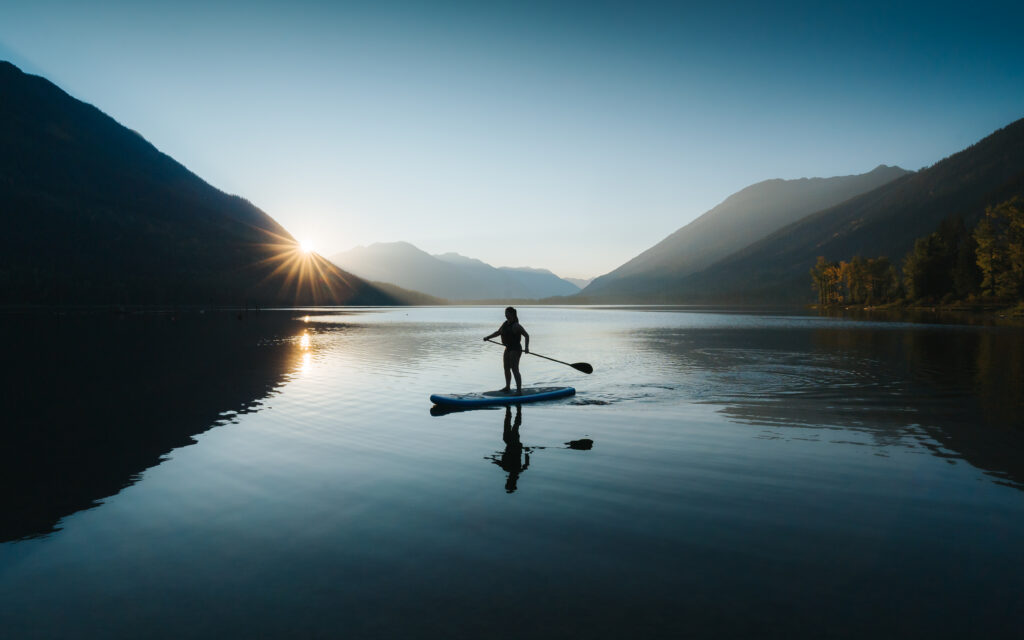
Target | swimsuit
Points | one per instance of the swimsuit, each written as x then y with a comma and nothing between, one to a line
510,336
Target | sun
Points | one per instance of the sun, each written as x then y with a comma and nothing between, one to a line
306,246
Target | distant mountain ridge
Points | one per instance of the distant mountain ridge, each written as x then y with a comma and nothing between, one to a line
882,222
95,214
449,275
740,220
580,282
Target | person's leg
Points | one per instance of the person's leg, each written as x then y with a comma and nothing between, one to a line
516,355
507,362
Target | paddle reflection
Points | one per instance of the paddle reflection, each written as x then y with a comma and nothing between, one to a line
515,458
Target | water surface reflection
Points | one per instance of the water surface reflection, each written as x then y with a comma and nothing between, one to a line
953,392
756,476
99,399
515,458
511,460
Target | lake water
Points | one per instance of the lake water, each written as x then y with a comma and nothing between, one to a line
280,474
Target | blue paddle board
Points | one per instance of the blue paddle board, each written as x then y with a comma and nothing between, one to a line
489,398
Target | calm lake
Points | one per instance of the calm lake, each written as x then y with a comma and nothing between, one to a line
280,474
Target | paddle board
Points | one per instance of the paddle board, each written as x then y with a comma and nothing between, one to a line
487,398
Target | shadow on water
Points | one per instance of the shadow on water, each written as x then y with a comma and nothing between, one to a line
99,399
957,392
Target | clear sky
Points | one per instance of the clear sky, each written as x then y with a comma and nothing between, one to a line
569,136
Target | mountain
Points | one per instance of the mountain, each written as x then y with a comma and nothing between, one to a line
517,282
579,282
404,265
94,214
882,222
541,283
408,296
741,219
449,275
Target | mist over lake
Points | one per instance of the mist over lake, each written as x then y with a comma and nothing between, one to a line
280,473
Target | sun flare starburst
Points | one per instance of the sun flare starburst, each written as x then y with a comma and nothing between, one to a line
298,269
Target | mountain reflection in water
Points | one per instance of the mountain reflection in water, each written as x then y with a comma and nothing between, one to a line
99,399
724,474
902,387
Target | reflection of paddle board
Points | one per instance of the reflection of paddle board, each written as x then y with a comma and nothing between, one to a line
529,394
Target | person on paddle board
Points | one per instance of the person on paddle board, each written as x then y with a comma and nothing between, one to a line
510,332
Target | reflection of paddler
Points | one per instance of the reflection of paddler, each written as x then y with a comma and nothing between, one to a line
511,459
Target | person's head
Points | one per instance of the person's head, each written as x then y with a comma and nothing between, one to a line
511,315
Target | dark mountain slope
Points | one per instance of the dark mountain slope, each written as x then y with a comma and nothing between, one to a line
741,219
94,214
885,221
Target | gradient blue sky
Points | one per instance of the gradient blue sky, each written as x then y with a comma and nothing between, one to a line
570,136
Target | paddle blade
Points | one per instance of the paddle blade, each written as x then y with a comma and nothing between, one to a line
582,366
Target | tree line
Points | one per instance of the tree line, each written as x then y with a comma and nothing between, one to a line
952,264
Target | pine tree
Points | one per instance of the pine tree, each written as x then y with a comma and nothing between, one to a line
1000,250
827,277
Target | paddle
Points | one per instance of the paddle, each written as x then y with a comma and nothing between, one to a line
579,366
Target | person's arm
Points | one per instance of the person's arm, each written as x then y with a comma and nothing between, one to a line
494,335
527,336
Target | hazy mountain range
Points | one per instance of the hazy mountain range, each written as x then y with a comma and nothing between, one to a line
450,275
94,214
773,268
741,219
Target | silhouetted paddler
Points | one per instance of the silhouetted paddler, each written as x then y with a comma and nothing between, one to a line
510,332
